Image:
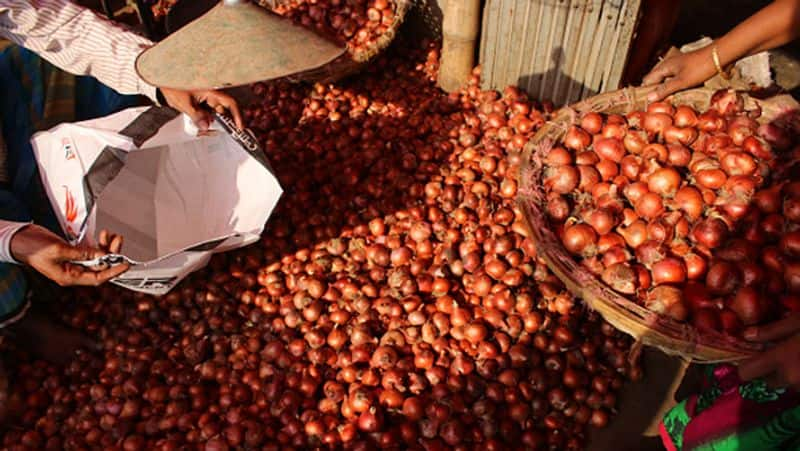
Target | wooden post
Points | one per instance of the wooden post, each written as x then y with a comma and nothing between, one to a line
459,37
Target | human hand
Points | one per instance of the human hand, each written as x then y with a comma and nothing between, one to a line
190,103
779,365
47,253
678,72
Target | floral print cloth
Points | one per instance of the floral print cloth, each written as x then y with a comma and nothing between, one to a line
731,415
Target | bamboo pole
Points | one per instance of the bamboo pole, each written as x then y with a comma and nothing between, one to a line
459,38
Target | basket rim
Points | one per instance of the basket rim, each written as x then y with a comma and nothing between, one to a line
350,63
665,333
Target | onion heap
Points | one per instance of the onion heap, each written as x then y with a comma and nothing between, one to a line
668,206
394,301
357,23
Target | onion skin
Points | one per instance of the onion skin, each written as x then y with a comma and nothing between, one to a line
621,277
669,270
395,300
710,232
690,201
579,239
749,305
667,300
610,149
707,319
592,122
657,122
713,224
664,181
562,179
723,278
685,116
577,139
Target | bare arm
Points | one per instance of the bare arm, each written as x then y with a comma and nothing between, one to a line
776,24
773,26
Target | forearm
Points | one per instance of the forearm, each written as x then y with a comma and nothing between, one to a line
7,231
76,40
774,25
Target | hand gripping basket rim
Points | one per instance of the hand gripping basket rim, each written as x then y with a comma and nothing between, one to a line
348,63
648,327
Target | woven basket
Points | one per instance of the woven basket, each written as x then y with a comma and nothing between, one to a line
646,326
348,63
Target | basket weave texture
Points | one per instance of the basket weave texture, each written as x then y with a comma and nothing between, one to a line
647,327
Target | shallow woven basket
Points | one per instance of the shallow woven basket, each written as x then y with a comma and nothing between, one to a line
647,327
349,63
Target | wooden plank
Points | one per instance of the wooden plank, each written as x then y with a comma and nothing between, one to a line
542,62
488,43
554,49
567,74
534,38
563,50
507,34
597,58
589,19
627,26
518,54
610,50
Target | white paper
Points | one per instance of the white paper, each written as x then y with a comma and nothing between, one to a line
166,197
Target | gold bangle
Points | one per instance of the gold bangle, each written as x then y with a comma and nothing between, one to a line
715,57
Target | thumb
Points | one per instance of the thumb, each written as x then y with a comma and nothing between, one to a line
72,253
774,331
200,117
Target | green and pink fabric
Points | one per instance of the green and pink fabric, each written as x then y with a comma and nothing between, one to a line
729,415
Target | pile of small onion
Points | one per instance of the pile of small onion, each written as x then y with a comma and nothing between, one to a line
358,23
394,301
681,210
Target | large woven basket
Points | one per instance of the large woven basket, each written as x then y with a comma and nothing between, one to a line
647,327
349,63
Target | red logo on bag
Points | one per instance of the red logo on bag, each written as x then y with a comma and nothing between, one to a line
70,209
69,152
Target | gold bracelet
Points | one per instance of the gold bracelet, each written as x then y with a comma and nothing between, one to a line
715,57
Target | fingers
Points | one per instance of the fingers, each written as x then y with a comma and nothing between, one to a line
759,366
667,76
200,117
662,71
776,380
78,275
102,240
774,331
666,88
109,242
184,102
220,102
188,103
69,253
116,244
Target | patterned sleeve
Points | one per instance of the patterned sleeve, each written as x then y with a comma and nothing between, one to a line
7,231
78,41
